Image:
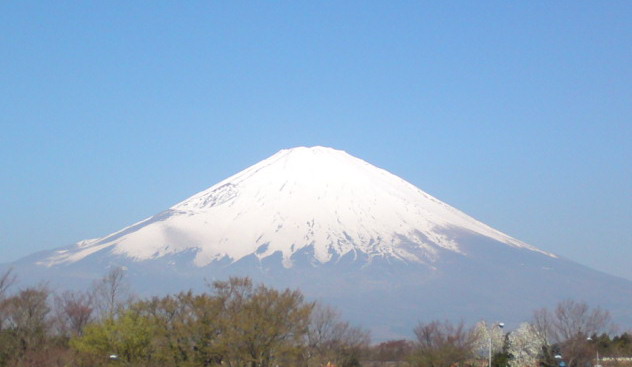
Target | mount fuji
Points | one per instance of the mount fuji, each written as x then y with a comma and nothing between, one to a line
384,252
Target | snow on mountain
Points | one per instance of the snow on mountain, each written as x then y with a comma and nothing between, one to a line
318,198
343,232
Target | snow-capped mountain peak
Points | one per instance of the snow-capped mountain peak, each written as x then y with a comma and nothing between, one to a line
315,198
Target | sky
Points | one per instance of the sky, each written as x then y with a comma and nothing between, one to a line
517,113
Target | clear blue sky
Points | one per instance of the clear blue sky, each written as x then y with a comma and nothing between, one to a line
518,113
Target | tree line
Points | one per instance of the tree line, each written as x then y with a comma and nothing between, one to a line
237,323
571,334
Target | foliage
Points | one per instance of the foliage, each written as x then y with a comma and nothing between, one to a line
501,359
129,337
237,323
187,329
261,325
605,346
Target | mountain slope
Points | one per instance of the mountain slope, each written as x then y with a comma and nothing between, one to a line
343,231
317,197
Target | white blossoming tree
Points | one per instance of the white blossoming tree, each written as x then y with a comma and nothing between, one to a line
483,331
525,346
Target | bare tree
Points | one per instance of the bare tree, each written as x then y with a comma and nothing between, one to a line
441,344
331,340
577,318
320,334
566,330
350,341
6,281
73,311
27,325
7,340
392,351
111,293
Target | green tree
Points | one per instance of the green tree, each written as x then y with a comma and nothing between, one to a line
188,329
261,326
129,337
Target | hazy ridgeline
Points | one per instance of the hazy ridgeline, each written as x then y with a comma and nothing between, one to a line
238,323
